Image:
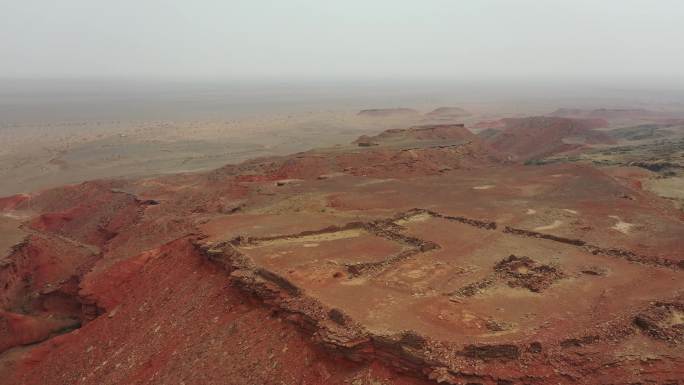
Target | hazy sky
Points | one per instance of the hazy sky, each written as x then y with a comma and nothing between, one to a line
320,39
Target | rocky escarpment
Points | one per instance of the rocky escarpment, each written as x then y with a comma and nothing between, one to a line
516,362
410,352
39,294
41,276
331,328
228,276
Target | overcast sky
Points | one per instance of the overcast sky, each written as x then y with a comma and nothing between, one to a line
319,39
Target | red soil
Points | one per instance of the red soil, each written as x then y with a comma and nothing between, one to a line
19,329
173,319
230,277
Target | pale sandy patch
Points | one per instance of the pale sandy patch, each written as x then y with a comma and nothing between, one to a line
677,318
622,226
375,181
415,274
355,281
285,182
552,226
421,217
571,211
313,239
484,187
531,211
16,216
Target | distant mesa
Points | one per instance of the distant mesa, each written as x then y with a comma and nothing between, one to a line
534,137
608,113
427,132
388,112
488,133
493,124
448,113
545,123
489,128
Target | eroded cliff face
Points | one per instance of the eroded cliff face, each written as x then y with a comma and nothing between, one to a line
420,259
176,319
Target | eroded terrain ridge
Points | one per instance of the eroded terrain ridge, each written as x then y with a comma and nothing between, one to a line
311,292
416,256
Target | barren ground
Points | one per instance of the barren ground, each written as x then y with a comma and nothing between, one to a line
418,255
